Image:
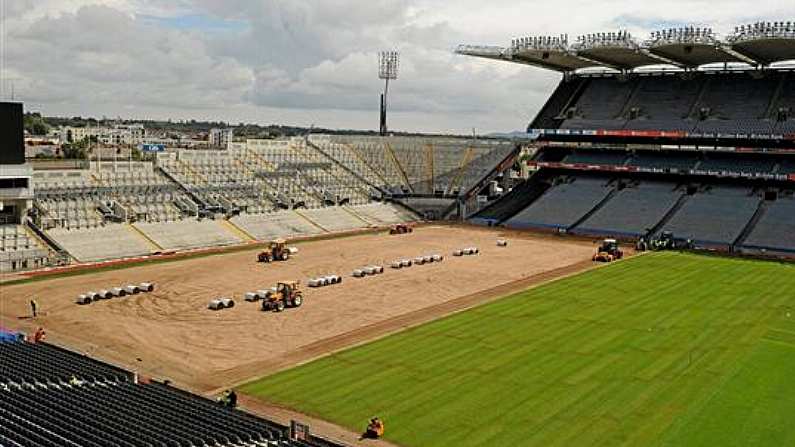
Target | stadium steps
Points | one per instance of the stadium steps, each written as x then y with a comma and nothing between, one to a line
517,199
357,216
576,95
149,241
196,198
669,215
593,210
693,113
624,114
399,167
49,242
469,155
244,235
355,174
774,99
749,227
311,222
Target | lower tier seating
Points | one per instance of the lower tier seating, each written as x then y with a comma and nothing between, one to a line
633,211
776,228
563,204
716,216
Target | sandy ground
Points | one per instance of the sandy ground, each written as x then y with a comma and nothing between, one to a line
171,334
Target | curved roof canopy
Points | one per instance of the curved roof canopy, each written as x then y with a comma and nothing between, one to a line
759,44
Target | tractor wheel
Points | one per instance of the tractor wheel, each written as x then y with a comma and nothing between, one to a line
279,306
285,256
298,301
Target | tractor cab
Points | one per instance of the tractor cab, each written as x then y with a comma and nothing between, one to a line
665,241
609,246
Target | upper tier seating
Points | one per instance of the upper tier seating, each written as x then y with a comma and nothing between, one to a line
733,103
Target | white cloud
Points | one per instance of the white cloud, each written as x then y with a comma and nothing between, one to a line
310,61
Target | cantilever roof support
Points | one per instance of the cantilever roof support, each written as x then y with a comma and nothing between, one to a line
748,60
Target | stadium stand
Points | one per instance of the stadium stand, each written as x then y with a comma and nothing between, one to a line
786,165
415,165
579,194
383,213
19,249
710,103
188,234
600,104
633,211
55,398
184,199
715,216
734,163
775,230
42,363
664,160
517,199
107,242
682,140
616,158
334,218
276,224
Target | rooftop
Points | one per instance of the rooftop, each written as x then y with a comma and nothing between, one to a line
756,45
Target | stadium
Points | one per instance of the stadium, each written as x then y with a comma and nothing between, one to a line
621,275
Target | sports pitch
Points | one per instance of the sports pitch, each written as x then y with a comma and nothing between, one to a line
666,349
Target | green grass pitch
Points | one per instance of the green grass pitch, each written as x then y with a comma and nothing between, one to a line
667,349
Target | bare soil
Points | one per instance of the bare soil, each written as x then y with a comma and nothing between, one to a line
171,334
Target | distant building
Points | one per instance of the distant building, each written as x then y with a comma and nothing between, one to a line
119,134
220,137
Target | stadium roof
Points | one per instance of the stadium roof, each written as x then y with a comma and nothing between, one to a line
757,45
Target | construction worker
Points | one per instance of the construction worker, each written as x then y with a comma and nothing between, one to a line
231,399
40,335
33,307
375,429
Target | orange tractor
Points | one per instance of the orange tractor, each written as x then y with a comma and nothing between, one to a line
608,251
287,294
276,251
400,228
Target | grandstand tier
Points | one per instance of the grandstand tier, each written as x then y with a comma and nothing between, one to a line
56,398
258,190
745,103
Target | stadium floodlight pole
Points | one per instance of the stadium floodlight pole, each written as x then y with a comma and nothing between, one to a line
387,70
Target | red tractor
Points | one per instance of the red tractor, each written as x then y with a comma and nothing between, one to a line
400,228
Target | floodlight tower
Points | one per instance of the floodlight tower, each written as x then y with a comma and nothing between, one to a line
387,70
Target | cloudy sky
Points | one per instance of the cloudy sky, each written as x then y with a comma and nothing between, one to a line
308,62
